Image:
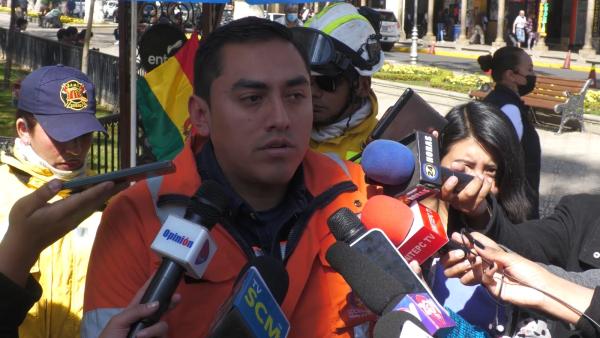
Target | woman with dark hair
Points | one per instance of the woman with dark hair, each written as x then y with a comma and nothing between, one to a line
512,71
479,137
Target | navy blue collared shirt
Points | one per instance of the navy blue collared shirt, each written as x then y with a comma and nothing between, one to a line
257,230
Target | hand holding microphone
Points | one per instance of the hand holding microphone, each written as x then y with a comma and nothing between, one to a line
520,281
186,246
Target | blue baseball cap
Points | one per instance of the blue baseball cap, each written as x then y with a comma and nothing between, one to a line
62,100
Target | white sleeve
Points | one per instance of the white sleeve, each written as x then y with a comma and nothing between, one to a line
514,114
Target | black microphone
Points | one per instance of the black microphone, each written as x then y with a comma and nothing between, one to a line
253,309
379,251
186,246
399,324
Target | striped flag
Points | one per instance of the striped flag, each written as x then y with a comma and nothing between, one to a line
162,98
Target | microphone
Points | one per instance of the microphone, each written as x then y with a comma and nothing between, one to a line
186,246
253,309
411,172
399,324
382,293
381,252
417,232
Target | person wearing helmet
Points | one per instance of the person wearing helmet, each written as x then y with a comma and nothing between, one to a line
344,52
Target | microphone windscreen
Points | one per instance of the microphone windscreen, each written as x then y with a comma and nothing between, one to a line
392,323
390,215
344,224
388,162
375,287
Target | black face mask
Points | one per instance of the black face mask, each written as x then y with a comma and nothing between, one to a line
527,87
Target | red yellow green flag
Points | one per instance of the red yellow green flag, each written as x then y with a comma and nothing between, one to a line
162,98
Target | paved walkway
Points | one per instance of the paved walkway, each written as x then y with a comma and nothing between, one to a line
570,161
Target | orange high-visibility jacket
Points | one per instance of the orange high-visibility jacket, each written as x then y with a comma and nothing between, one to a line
121,260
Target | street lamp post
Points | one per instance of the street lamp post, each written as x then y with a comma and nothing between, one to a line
414,57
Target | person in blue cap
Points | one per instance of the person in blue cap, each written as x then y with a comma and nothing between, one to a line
55,120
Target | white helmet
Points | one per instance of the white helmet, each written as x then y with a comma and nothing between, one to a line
343,22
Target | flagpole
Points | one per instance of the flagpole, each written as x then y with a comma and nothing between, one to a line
132,86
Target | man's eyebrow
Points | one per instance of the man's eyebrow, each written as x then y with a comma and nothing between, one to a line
253,84
299,80
249,84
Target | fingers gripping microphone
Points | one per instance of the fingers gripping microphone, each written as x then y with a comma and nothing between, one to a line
253,309
186,246
411,172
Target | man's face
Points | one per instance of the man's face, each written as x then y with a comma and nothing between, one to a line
260,113
330,95
68,155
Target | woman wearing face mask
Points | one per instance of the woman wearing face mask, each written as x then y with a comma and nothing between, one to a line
512,71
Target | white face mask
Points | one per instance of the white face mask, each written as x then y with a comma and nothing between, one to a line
27,153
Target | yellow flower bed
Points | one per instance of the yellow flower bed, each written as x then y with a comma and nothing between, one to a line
592,102
63,18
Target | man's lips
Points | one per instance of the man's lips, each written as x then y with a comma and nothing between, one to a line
277,144
71,163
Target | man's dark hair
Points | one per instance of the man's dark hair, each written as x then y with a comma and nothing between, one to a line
249,30
21,22
28,117
71,31
61,33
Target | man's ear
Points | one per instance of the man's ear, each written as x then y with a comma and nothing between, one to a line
23,130
199,115
364,86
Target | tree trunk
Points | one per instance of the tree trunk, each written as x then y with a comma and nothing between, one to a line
9,45
86,40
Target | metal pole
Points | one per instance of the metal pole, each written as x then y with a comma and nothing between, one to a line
414,57
132,83
125,49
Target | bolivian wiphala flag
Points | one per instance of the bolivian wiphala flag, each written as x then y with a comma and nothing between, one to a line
162,99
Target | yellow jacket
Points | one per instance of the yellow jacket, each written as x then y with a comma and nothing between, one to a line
353,140
60,269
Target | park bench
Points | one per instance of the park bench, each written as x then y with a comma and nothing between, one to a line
553,94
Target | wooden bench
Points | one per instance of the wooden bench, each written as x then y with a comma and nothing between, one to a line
560,96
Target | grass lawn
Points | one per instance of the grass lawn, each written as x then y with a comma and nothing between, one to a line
7,109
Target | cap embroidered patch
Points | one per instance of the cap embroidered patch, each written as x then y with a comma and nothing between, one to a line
74,95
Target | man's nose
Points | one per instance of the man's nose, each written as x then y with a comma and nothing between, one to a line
279,117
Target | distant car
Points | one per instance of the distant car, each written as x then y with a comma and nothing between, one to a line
390,33
110,8
274,16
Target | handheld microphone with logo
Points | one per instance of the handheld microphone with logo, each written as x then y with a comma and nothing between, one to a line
399,324
186,246
253,309
377,247
411,172
417,232
383,293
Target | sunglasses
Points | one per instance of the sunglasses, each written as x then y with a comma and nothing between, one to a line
327,83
